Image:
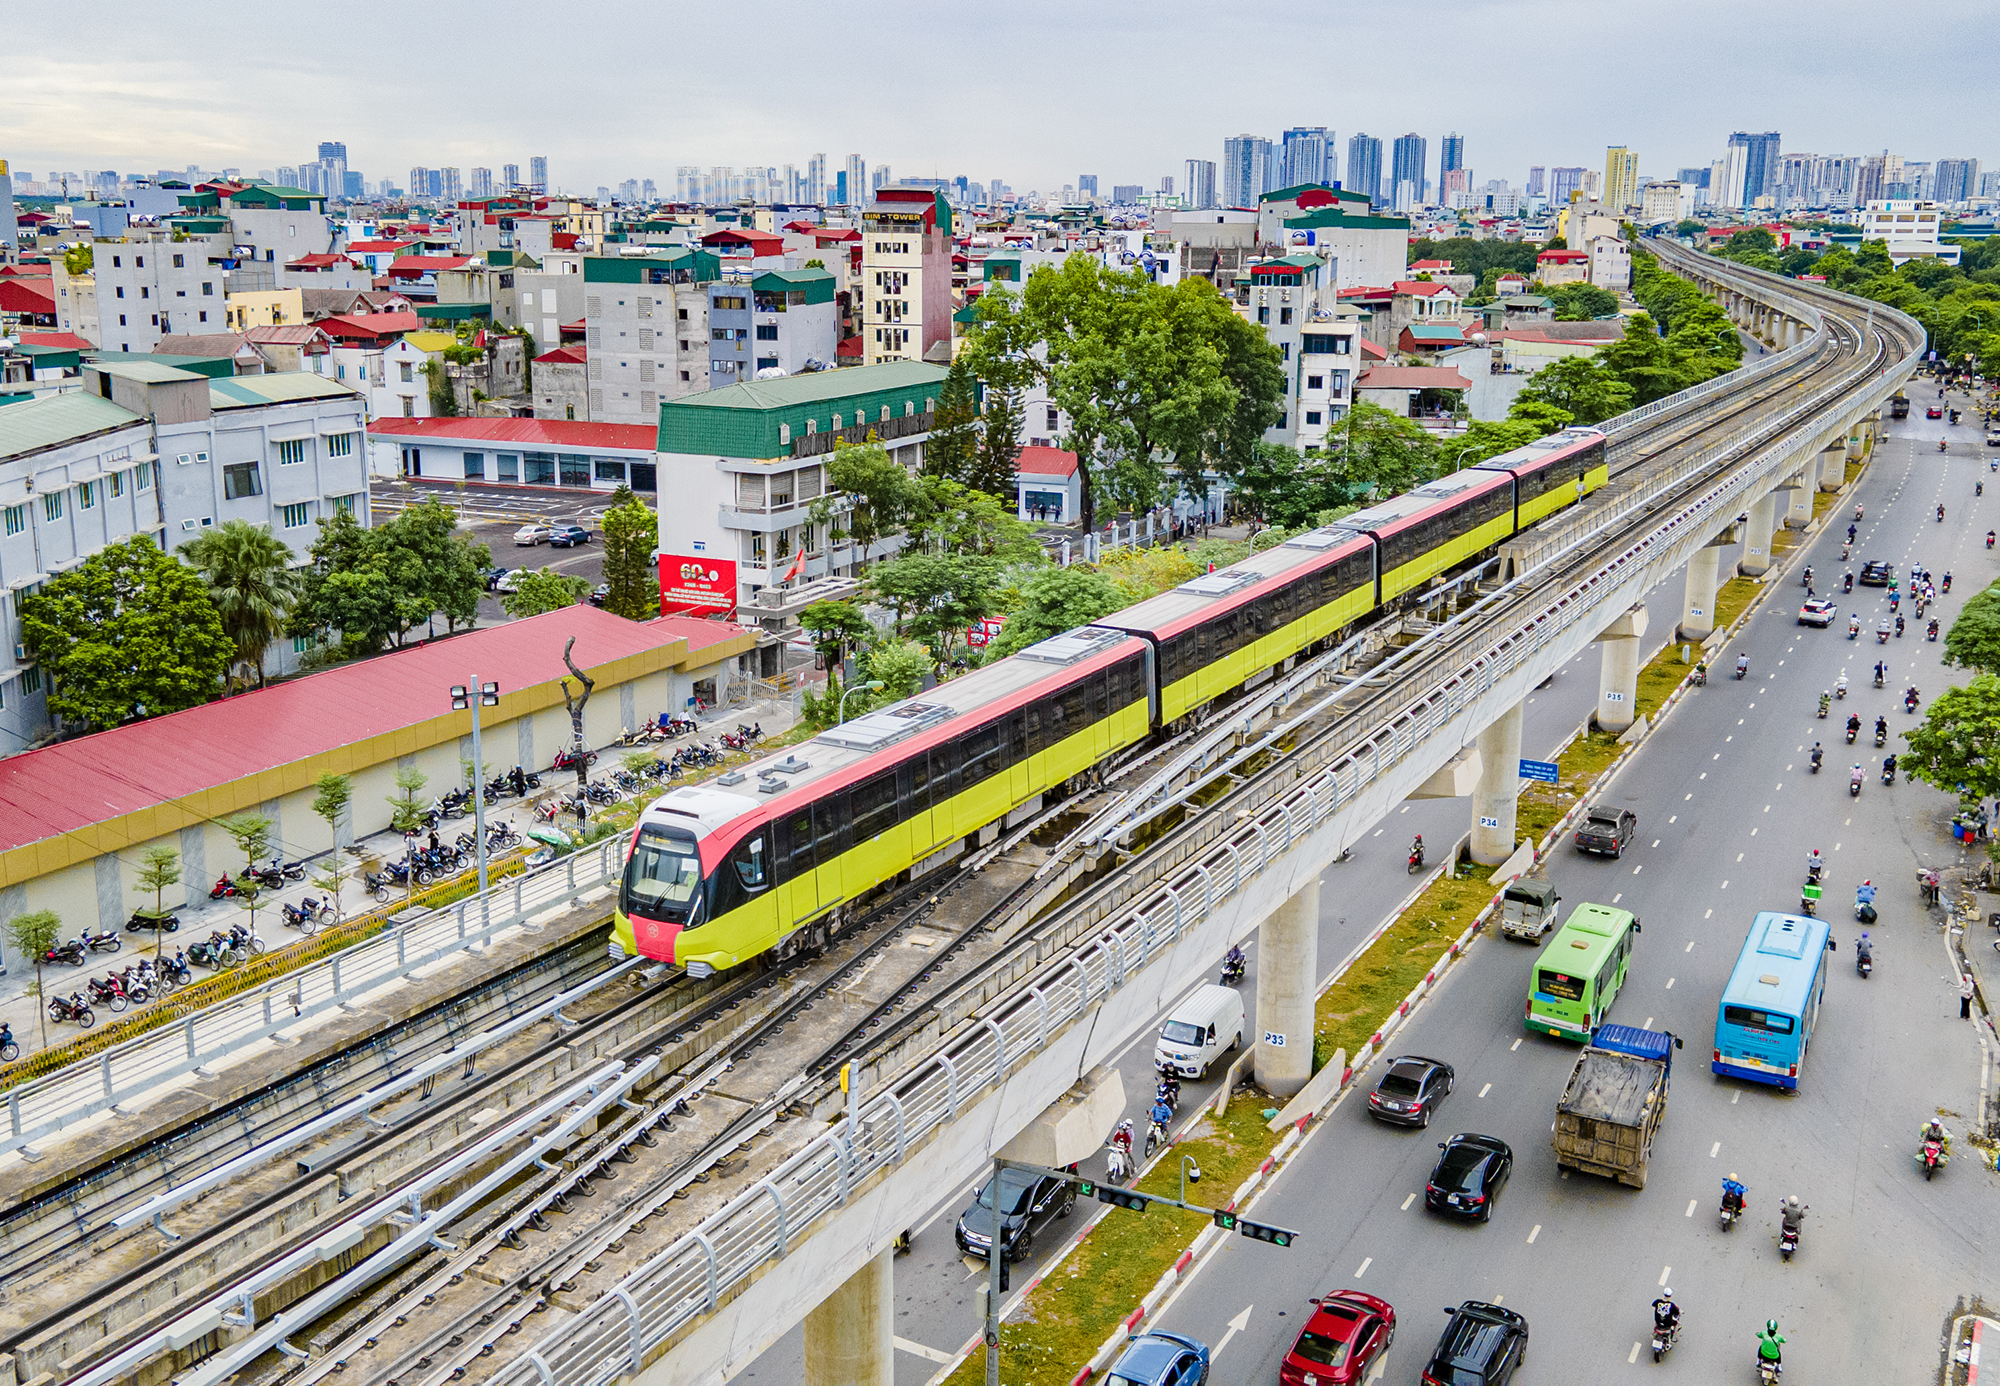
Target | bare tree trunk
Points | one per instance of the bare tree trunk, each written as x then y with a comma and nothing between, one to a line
577,747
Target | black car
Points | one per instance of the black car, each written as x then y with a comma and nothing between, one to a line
1608,831
1876,573
1482,1346
1410,1091
599,593
492,576
1026,1202
1469,1176
567,536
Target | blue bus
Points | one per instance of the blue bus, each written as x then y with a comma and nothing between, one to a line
1766,1017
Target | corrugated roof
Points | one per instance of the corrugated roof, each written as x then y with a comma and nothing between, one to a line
1040,461
52,420
276,387
200,344
553,433
814,388
146,372
371,325
1412,378
73,785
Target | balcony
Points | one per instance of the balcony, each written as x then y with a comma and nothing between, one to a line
782,604
899,426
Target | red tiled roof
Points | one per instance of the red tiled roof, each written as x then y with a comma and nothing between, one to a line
318,262
827,236
805,226
564,356
562,240
1444,265
411,266
562,433
1369,348
1367,293
850,346
1421,288
72,785
68,341
377,247
576,326
758,241
371,326
1408,378
1039,461
32,296
37,269
1561,255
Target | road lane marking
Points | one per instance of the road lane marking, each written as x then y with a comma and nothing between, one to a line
1715,1150
1236,1326
1656,842
1739,856
1407,1202
1634,1355
1753,831
930,1353
1686,797
1692,1202
1366,1262
1648,1025
1619,896
1670,984
1724,886
1488,1088
1704,774
1670,818
1706,914
1665,1271
1512,1047
1728,738
1767,809
1690,947
1716,756
1379,832
1637,869
1736,1097
1536,1232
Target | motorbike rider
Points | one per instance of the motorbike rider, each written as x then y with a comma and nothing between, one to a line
1847,583
1931,631
1792,1213
1850,534
1825,702
1940,512
1732,1195
1701,671
1864,894
1666,1313
1853,724
1899,627
1742,665
1882,727
1815,864
1817,755
1853,626
1864,951
1935,1130
1417,850
1161,1113
1888,767
1770,1346
1855,777
1881,672
1840,687
1121,1136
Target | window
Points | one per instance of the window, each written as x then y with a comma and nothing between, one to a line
340,445
1052,418
240,480
207,288
145,292
31,679
302,643
1284,316
344,504
766,362
294,516
1315,382
1264,315
409,408
1313,416
475,466
139,261
179,262
86,495
767,332
119,292
148,473
682,315
117,485
114,262
121,319
52,507
404,369
291,451
541,469
17,518
718,334
203,315
507,466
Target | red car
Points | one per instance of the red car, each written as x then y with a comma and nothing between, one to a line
1347,1334
1934,412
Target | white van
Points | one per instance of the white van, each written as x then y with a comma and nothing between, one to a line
1201,1029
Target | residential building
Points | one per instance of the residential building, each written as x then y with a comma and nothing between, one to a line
387,370
1621,178
1362,246
151,286
324,271
1200,193
857,181
1563,183
75,301
1295,301
1364,167
1246,170
645,329
480,184
145,448
1048,487
1407,185
1127,194
1955,180
1610,263
538,174
510,177
1535,180
266,224
1671,201
1761,176
1555,267
771,320
1451,158
1910,228
906,276
746,464
572,455
1306,156
562,384
263,308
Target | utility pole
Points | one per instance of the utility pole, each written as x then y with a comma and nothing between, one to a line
471,697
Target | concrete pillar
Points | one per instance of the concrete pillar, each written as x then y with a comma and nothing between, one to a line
1698,607
1498,793
1287,973
1799,513
1832,468
1854,450
1756,558
1618,677
851,1334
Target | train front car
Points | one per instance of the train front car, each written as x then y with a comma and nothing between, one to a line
777,857
1552,472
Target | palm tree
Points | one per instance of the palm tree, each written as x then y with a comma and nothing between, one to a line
249,574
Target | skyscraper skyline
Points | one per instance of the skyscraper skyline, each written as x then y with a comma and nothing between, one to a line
1246,170
1364,166
1407,184
1306,156
1760,165
1200,194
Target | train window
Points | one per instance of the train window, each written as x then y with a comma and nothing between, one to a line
1017,736
794,844
1038,729
874,802
751,864
1096,701
916,784
944,771
831,826
979,753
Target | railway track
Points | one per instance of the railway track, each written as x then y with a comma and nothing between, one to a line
521,1250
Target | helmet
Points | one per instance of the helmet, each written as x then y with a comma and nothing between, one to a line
1770,1325
1666,1294
1791,1201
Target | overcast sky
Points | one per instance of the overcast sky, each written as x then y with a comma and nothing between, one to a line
1033,92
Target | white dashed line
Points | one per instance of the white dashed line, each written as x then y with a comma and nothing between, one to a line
1693,1203
1488,1088
1366,1262
1534,1234
1715,1150
1408,1201
1690,947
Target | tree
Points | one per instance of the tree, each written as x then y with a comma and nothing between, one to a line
376,585
334,793
251,832
1956,749
542,590
1688,226
900,665
1380,453
1545,417
444,399
1055,600
995,461
129,632
33,934
953,446
1973,642
835,628
631,534
951,518
1284,488
249,574
1582,302
406,816
1643,360
1579,387
882,490
159,868
79,259
936,596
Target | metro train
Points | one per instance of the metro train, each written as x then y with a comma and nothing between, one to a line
770,859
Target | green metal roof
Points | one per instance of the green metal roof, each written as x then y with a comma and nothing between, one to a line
631,269
1432,331
212,366
200,226
744,420
454,311
275,387
52,420
1334,217
815,284
49,358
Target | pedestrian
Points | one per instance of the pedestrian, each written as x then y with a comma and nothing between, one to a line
1966,988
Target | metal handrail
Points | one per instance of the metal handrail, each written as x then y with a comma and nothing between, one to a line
687,1278
46,1104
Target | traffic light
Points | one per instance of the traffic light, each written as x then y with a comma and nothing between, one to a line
1121,1198
1277,1236
1086,1188
1225,1219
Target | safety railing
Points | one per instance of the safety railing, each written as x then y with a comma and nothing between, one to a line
692,1275
44,1105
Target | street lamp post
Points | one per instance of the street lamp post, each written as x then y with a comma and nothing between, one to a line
874,685
470,697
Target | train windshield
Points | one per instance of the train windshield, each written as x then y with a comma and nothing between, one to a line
664,875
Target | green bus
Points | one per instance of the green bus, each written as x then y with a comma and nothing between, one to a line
1572,984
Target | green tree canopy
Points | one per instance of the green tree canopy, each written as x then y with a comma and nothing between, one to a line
1055,600
1577,386
79,259
1378,453
835,628
1282,487
953,447
631,533
936,596
994,460
1956,749
1582,302
952,518
1973,642
900,665
248,570
376,585
542,590
883,492
128,632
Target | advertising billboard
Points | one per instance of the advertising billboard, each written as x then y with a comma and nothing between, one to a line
696,585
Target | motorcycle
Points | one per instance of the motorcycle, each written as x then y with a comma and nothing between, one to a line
245,942
70,954
1881,736
1854,628
1701,676
72,1007
1882,635
108,992
1852,729
1664,1338
1118,1163
679,726
1732,1204
380,884
303,916
1232,972
1743,667
1931,631
600,793
1932,1157
1788,1241
1767,1372
1416,862
1881,681
1864,961
1847,584
105,942
566,760
213,952
1910,701
1889,773
1854,786
1825,703
143,919
223,888
1815,762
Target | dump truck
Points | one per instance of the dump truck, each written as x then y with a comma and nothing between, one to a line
1614,1101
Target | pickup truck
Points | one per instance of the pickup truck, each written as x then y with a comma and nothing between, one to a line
1614,1101
1607,831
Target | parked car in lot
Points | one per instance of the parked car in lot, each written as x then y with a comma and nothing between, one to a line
1876,573
567,536
599,593
509,581
1468,1176
1408,1093
493,576
1607,831
1819,611
1161,1359
1026,1202
532,534
1347,1335
1482,1346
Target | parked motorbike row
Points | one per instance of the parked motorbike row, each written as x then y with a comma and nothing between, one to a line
142,981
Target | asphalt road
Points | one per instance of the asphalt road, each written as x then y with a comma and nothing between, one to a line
1727,813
